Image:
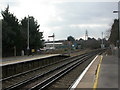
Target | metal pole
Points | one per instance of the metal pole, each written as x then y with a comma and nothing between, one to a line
119,30
1,51
28,36
102,45
102,38
53,41
118,41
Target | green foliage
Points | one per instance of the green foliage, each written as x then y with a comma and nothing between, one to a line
92,43
70,38
35,36
14,34
10,32
114,32
73,42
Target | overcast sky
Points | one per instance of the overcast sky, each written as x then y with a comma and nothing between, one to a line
66,17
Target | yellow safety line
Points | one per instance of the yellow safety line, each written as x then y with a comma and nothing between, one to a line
97,74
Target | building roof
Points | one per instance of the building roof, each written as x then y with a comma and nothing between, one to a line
52,43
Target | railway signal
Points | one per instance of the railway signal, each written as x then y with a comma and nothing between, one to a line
53,36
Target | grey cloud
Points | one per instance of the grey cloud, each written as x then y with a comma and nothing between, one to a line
84,13
11,3
77,32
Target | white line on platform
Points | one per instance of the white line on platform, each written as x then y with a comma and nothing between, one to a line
81,76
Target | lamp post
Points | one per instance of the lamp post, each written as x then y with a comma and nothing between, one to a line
118,41
0,41
28,37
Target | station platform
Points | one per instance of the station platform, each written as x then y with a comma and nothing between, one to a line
101,73
18,59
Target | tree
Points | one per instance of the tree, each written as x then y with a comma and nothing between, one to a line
35,36
70,38
73,42
114,32
14,34
91,43
10,32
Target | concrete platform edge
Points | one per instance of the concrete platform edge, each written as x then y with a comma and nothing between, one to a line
77,81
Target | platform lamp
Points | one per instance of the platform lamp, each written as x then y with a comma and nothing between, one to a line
28,48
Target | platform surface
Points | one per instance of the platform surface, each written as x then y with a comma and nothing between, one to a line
18,59
105,77
108,76
88,79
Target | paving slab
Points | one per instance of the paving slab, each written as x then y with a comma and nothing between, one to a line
108,76
104,78
88,79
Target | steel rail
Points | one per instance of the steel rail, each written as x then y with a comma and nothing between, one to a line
19,74
69,88
53,78
33,78
25,81
56,76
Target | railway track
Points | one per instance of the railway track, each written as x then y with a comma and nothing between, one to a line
10,81
41,77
